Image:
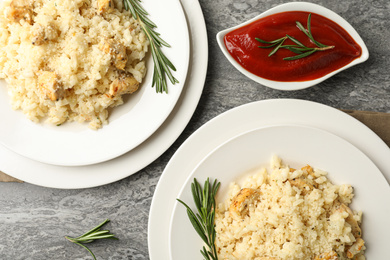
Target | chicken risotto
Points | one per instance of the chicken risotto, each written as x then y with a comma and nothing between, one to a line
70,60
288,214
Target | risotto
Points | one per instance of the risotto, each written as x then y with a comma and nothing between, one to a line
288,214
70,60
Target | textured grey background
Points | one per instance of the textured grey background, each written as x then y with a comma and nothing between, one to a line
34,220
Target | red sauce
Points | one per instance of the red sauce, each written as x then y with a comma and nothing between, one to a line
243,46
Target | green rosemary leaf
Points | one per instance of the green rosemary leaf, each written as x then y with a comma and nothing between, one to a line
295,40
157,67
158,40
271,42
96,233
139,8
300,26
206,193
86,248
305,54
319,44
194,221
277,47
102,236
295,50
215,188
211,255
197,194
166,66
197,226
210,226
96,228
205,253
267,47
296,46
167,62
308,25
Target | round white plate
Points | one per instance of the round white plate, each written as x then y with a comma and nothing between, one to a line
295,6
74,144
297,146
241,119
103,173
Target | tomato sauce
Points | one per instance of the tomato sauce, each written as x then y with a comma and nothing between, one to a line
244,48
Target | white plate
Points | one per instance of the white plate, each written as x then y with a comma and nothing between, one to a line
129,125
238,120
99,174
297,146
296,6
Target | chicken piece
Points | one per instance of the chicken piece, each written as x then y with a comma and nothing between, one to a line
118,52
267,258
125,84
42,34
355,229
304,184
239,206
332,255
49,85
308,169
105,6
86,11
120,57
356,248
20,10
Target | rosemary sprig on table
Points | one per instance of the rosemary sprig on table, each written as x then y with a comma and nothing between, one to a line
203,220
91,236
299,48
162,65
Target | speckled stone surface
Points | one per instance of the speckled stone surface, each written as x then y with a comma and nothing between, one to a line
34,220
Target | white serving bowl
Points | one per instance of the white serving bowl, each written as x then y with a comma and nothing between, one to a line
296,6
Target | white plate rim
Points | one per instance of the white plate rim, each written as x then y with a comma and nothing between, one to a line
141,115
78,177
302,112
295,6
319,133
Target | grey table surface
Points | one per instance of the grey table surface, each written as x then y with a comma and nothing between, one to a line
34,220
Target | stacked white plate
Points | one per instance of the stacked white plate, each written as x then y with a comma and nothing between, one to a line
338,143
73,156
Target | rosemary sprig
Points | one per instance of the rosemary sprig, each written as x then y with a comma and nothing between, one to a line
203,220
299,48
308,32
91,236
162,65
